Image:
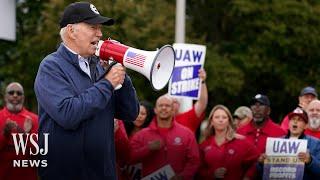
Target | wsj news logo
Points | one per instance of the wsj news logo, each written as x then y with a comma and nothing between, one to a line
26,144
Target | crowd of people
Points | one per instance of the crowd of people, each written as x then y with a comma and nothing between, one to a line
97,132
233,146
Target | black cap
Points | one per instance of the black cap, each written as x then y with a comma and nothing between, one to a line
308,90
83,12
263,99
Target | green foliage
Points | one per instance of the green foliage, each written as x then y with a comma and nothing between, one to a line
273,44
252,45
19,59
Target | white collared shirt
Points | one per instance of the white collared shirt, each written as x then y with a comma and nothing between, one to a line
84,65
83,62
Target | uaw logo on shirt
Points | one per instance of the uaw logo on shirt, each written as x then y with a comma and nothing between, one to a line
177,141
94,9
231,151
207,148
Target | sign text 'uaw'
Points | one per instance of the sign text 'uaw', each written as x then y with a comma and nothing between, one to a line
185,80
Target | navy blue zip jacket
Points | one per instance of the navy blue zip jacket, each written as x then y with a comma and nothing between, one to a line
78,114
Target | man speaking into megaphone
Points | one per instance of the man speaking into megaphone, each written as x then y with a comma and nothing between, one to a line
77,101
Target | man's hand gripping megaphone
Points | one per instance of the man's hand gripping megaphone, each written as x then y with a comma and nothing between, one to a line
114,71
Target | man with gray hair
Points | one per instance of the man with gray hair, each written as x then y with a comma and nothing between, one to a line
78,101
307,94
313,110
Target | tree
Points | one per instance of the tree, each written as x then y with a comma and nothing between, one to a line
19,59
139,24
253,46
273,45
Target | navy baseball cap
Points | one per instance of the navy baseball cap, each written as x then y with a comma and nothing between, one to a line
83,12
309,90
263,99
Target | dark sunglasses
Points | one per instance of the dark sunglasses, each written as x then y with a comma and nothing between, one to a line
19,93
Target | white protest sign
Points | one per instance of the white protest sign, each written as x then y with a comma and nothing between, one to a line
185,81
164,173
282,161
285,147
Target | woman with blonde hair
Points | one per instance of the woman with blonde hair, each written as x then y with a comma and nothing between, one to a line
224,154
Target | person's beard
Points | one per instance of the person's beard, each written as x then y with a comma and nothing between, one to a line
14,107
314,123
258,120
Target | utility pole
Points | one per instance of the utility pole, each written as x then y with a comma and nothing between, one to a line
185,104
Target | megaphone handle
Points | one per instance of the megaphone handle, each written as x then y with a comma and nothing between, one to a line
106,72
118,87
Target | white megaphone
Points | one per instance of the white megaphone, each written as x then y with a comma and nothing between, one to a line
157,66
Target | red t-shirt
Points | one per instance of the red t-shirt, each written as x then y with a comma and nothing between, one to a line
179,149
189,119
258,136
312,133
238,156
285,123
